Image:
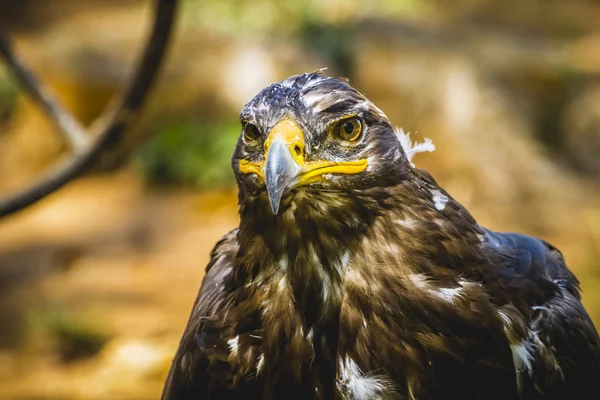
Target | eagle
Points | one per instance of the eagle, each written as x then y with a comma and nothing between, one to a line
354,275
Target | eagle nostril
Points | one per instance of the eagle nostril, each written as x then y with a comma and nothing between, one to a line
297,151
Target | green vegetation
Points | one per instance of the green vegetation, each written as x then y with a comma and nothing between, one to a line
72,336
332,42
190,153
8,95
267,17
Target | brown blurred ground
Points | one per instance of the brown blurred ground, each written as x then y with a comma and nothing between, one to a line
96,282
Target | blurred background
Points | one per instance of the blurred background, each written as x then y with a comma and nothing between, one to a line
98,279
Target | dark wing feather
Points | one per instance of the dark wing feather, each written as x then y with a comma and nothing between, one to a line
564,344
533,258
203,346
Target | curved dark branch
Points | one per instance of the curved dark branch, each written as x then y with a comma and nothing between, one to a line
68,125
109,128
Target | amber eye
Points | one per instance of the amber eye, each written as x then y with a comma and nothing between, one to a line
349,129
251,132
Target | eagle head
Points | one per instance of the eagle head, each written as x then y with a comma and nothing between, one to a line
314,137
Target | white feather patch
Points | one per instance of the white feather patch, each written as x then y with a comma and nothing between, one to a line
439,200
282,284
406,222
283,264
447,294
361,386
419,280
450,294
522,354
260,364
410,148
522,357
345,259
233,345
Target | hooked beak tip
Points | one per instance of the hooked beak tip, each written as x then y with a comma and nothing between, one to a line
274,205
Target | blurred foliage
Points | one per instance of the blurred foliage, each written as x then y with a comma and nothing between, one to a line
8,96
190,152
73,336
288,17
332,43
322,26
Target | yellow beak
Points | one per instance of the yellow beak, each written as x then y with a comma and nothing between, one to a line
285,167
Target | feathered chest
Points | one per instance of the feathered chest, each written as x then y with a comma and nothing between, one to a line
365,325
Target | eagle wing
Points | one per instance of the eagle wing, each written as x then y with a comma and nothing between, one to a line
204,344
560,357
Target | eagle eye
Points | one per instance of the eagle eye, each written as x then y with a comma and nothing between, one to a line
251,132
348,129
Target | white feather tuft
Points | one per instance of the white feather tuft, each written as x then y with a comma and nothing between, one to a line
261,363
439,200
360,386
233,345
410,148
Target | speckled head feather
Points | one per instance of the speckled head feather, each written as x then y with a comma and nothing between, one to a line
315,103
